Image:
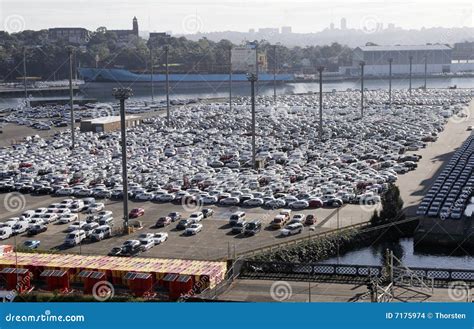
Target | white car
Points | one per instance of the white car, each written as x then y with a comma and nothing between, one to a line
193,229
298,218
165,197
292,229
209,200
196,216
255,202
146,244
230,201
49,218
76,226
300,204
41,211
67,218
145,196
161,237
27,215
96,207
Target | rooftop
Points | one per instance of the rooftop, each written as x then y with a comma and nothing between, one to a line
109,119
404,48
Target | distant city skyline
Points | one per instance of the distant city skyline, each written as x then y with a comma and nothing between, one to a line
188,17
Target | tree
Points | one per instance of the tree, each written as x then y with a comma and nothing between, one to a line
392,205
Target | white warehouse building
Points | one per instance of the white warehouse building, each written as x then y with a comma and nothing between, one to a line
376,60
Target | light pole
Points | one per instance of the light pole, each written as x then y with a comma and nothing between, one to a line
167,86
390,60
411,62
362,64
426,69
230,77
320,70
256,66
24,75
71,98
122,94
253,78
274,72
151,75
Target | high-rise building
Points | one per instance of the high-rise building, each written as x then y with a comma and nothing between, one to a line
286,30
343,23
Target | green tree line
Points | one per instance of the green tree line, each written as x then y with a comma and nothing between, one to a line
48,59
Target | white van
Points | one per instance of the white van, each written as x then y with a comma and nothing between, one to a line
20,227
5,232
90,227
75,237
236,217
106,221
27,215
77,206
102,232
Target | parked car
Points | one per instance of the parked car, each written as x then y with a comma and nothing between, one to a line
36,229
160,237
31,244
253,227
174,216
163,221
292,229
207,212
183,224
136,212
193,229
75,237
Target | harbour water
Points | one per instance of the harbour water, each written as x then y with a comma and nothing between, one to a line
404,249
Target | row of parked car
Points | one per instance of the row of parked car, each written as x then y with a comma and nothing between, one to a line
452,190
205,152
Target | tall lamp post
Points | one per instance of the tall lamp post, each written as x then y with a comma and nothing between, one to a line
252,77
411,62
71,98
122,94
274,72
24,75
151,75
230,77
362,64
167,86
320,70
426,69
390,60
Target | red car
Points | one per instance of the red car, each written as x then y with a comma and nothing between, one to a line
310,220
315,203
163,221
136,212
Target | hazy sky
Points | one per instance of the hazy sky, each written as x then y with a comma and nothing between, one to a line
193,15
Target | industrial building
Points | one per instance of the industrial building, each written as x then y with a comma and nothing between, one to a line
376,58
72,35
110,123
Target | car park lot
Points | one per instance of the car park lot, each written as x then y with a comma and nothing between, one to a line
213,242
204,157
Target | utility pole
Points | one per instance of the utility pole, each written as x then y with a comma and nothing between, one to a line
253,78
122,94
256,66
167,86
390,60
151,75
362,64
71,98
426,69
230,77
320,70
274,73
411,62
24,76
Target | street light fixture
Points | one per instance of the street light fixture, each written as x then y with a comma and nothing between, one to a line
167,86
390,60
362,64
320,70
253,78
122,94
71,97
411,64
